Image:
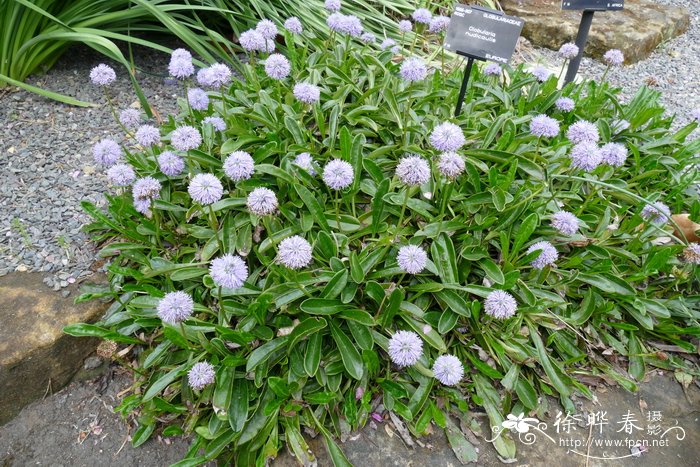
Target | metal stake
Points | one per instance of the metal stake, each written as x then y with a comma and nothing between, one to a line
463,89
581,39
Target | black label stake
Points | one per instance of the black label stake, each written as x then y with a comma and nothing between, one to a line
465,82
581,39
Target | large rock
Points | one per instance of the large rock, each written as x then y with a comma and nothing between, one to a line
636,30
35,356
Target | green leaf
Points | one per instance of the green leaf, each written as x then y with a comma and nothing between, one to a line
163,382
443,255
312,356
607,283
91,330
264,352
463,449
51,95
524,232
348,353
543,358
238,406
305,329
322,306
492,271
314,206
378,204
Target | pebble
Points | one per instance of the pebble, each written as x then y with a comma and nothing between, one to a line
92,362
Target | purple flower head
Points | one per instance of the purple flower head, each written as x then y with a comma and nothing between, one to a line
338,174
205,189
439,24
405,348
228,271
217,75
335,22
147,188
447,137
614,57
252,40
262,201
413,170
351,25
267,28
269,46
448,370
305,161
102,75
548,254
368,37
565,104
147,135
175,307
657,213
293,25
170,164
181,54
121,175
185,138
239,166
586,156
565,222
294,252
387,43
500,304
143,205
203,77
541,73
180,67
106,152
422,15
405,26
695,115
198,99
691,254
307,93
618,126
614,154
277,66
544,126
583,131
413,69
332,5
568,50
130,118
450,164
412,259
217,122
493,69
395,50
201,375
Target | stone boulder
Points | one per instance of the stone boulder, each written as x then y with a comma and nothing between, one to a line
36,357
636,30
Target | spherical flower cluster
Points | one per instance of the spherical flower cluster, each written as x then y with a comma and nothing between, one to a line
657,213
565,104
413,69
614,57
450,164
338,174
201,375
147,135
228,271
439,24
412,259
405,348
198,99
277,66
143,205
583,131
691,254
102,75
146,189
262,201
368,38
565,222
586,156
175,307
217,75
307,93
185,138
568,50
130,118
332,5
270,46
350,25
500,304
405,26
239,166
180,65
252,41
447,137
541,73
334,21
387,43
121,175
544,126
170,164
614,154
493,69
205,189
448,370
413,170
106,152
217,122
548,254
422,15
305,161
294,252
293,25
267,28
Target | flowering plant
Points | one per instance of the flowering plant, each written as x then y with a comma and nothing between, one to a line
319,242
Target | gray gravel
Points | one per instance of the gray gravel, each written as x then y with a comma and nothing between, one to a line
47,162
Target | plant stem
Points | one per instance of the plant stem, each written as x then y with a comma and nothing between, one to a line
114,114
215,225
403,207
222,314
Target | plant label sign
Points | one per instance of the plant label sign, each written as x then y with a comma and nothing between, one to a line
595,5
483,34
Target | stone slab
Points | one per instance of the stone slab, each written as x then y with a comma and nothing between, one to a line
637,30
35,356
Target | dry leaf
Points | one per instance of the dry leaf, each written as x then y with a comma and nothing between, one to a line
688,228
